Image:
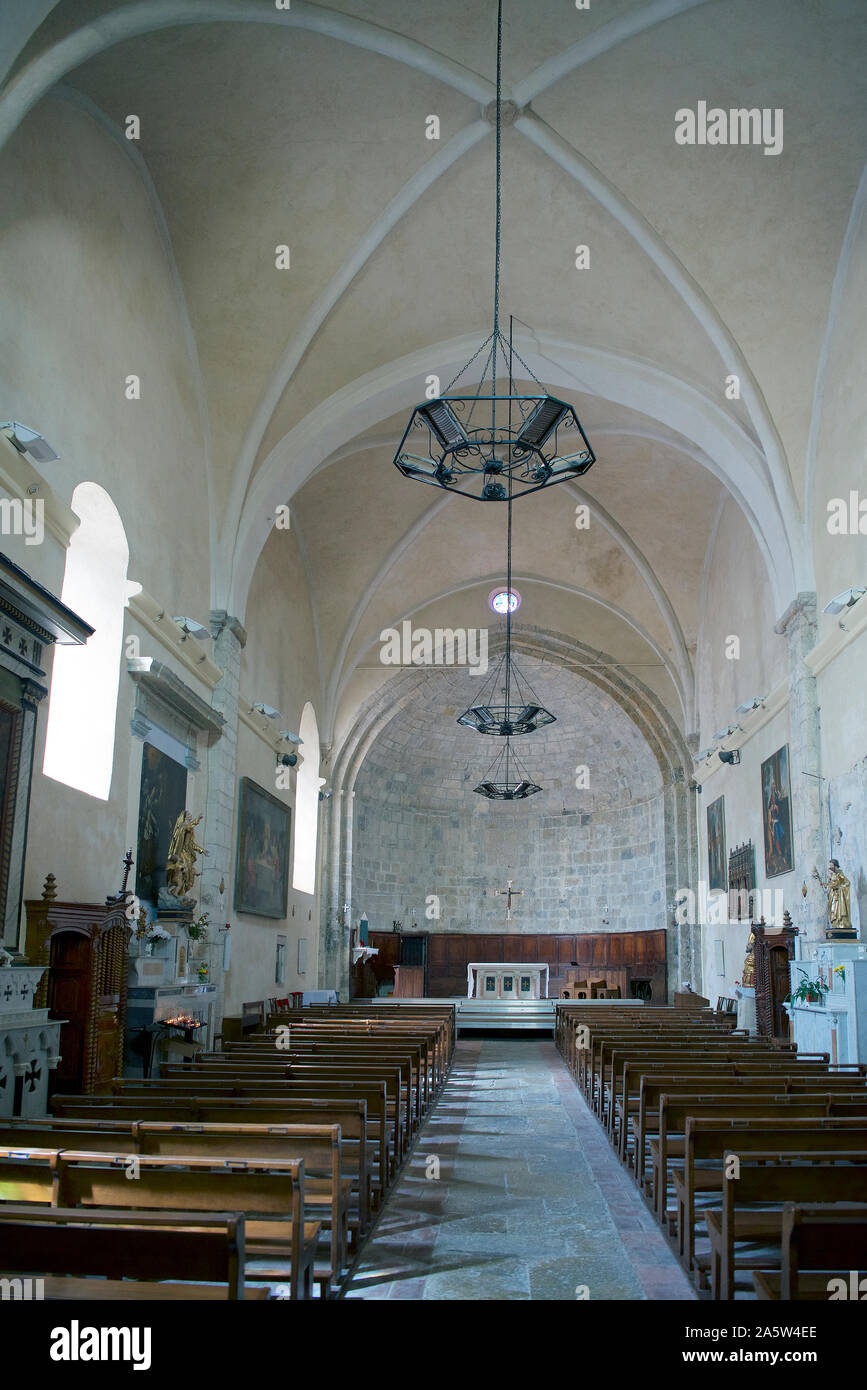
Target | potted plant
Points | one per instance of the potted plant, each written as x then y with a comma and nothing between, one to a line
808,991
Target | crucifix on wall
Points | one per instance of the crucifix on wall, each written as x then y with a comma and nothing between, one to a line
509,893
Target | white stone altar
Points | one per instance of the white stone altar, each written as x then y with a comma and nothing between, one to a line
506,980
29,1043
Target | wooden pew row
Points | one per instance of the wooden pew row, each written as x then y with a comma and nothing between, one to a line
360,1111
625,1063
72,1251
327,1188
707,1139
773,1177
672,1154
280,1063
270,1194
434,1056
713,1091
433,1020
647,1122
302,1080
301,1042
792,1073
821,1247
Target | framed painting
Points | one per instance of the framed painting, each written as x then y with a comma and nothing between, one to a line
162,798
777,813
716,845
262,871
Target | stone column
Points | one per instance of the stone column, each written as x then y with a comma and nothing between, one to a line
798,626
329,930
343,964
229,638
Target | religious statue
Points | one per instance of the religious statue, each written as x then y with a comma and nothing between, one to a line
837,890
181,864
748,974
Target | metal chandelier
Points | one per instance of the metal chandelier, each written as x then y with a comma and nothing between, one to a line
488,445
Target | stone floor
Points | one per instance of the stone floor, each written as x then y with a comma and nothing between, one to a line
512,1192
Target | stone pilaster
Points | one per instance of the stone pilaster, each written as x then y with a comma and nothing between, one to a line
798,626
229,639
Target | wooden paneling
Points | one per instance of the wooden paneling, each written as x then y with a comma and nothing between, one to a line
618,957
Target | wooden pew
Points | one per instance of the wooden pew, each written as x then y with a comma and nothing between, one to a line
771,1177
73,1250
676,1110
644,1121
707,1140
392,1077
381,1096
819,1244
270,1194
361,1111
327,1190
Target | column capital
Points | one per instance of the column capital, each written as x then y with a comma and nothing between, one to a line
803,607
220,620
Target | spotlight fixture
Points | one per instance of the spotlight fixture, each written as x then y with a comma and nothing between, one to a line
28,441
190,628
325,796
847,599
290,737
730,756
703,757
267,710
749,705
727,731
287,759
486,444
507,779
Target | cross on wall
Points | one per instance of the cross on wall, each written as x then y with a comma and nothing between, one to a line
509,893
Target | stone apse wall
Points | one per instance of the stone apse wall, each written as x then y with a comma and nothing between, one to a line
588,858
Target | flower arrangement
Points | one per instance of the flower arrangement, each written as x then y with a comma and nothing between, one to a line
198,930
841,971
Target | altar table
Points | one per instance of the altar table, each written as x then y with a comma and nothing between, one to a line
506,980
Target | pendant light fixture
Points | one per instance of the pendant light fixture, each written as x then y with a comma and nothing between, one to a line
489,445
507,779
520,712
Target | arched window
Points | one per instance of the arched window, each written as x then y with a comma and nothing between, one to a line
307,786
82,709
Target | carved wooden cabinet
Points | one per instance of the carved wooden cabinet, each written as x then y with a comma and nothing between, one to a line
86,949
775,948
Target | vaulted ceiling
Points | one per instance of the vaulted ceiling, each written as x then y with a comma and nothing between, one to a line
305,127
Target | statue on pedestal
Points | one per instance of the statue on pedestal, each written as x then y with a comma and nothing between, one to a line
748,974
181,864
837,890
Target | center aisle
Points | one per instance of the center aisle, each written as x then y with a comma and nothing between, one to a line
530,1201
